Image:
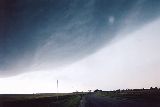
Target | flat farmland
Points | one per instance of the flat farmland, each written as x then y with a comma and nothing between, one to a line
40,100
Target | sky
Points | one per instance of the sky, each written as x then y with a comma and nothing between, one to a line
84,44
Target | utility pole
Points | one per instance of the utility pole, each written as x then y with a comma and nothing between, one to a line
57,90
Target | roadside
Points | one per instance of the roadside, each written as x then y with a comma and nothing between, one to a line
82,101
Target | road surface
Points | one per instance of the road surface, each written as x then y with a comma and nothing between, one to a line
97,101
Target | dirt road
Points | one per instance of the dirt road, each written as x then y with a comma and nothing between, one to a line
97,101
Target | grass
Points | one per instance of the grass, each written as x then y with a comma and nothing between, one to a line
40,100
19,97
73,101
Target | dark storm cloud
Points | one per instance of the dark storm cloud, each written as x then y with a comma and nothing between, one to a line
48,33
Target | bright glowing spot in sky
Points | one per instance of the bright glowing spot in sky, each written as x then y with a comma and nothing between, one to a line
111,19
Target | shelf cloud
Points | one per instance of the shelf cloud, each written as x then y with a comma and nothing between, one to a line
45,34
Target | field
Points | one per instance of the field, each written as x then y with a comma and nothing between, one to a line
40,100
